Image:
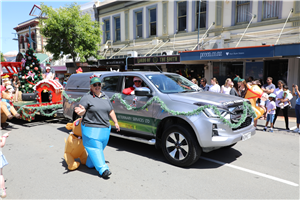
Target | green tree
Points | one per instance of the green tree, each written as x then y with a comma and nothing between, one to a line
70,33
2,57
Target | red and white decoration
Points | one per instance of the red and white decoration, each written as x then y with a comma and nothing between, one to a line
52,86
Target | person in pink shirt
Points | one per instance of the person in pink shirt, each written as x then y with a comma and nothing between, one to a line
271,110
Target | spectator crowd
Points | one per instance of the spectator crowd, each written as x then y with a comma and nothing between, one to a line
274,100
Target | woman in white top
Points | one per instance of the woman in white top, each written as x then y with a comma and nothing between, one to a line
279,93
48,75
225,89
214,86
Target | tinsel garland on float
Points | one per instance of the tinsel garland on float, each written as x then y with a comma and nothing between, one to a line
28,112
247,108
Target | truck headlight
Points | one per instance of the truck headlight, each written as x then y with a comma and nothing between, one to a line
211,113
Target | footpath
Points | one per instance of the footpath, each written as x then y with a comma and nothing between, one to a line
280,123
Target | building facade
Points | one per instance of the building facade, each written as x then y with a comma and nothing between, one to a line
157,28
23,33
39,43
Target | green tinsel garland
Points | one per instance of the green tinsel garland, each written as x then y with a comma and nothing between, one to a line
70,99
247,108
39,109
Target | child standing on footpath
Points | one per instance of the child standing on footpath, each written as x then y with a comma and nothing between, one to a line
3,162
271,110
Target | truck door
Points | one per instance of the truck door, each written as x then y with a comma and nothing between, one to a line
140,121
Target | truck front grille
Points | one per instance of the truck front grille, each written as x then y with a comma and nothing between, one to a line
246,123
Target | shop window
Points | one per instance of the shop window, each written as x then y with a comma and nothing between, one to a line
255,70
202,14
270,9
26,38
110,83
277,69
181,16
107,30
297,6
33,37
224,70
22,42
152,22
188,71
117,29
243,13
139,24
219,10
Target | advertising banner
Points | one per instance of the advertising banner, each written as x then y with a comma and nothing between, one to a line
228,53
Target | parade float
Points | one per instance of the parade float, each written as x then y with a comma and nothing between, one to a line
48,99
37,95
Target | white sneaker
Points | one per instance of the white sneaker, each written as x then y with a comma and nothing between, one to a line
296,130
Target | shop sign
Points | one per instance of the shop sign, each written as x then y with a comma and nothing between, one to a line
230,53
157,59
104,62
287,50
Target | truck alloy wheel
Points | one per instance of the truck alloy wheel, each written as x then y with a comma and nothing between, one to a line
180,146
177,146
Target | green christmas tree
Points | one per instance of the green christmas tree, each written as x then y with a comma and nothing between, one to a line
31,72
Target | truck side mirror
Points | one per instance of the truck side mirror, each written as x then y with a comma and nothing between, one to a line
142,92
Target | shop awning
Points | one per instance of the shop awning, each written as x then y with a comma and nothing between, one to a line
59,68
264,51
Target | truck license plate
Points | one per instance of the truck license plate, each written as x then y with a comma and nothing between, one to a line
246,136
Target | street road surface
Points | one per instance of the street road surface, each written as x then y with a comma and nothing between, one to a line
264,167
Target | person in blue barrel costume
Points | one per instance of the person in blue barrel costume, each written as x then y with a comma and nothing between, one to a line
96,108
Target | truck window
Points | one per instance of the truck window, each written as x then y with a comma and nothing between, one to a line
79,81
129,82
110,83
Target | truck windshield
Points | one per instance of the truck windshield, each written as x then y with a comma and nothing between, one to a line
169,83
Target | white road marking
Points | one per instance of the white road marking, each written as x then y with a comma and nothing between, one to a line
252,172
293,128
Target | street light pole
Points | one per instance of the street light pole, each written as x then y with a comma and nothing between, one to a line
199,7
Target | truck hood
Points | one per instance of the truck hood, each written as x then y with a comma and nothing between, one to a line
204,98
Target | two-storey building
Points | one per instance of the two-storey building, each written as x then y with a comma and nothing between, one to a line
262,37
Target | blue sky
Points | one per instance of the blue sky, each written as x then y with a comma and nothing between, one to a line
16,12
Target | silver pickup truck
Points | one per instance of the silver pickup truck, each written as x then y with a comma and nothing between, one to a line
182,138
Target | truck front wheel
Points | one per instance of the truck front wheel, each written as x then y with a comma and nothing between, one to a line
180,146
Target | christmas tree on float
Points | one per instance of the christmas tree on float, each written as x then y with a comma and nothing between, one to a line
31,72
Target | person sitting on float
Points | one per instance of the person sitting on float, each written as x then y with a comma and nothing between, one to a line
48,74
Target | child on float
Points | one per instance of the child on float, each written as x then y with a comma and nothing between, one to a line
16,84
271,110
3,162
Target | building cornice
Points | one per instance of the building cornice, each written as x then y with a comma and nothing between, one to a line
26,26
